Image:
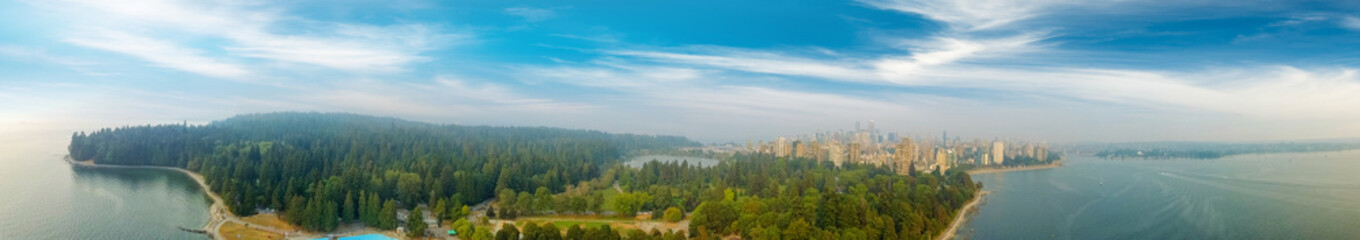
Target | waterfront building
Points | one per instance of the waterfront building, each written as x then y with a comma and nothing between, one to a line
998,153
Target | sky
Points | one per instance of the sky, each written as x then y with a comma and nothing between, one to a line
714,71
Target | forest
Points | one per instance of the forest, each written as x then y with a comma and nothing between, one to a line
324,169
759,196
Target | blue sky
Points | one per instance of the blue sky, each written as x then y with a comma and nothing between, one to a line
1047,70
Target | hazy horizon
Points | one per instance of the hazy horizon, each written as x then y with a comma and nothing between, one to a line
712,71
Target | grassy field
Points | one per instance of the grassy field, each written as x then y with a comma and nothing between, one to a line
235,231
270,220
563,224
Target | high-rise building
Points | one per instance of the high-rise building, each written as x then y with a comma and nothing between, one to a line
944,136
781,148
835,153
904,154
998,153
800,149
856,153
872,133
941,160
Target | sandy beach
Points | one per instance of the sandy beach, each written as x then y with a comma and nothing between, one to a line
1014,169
962,217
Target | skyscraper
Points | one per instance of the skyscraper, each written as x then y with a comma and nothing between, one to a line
903,154
872,134
998,153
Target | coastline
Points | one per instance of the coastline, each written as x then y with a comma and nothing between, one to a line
962,217
1055,164
218,213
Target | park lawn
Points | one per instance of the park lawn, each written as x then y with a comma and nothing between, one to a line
584,223
271,220
564,224
231,230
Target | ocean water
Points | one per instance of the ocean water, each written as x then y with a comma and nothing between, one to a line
1270,196
42,197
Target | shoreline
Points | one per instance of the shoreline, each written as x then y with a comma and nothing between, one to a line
1055,164
962,217
218,213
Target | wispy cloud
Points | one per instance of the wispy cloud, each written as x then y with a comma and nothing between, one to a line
163,53
1014,62
1351,22
444,96
969,15
251,31
531,14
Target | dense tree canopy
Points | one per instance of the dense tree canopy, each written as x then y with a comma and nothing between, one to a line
759,196
308,164
324,169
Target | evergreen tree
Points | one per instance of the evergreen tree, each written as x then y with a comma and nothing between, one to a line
440,210
415,223
330,218
387,220
348,212
361,210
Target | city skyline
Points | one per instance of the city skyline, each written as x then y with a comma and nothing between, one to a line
1053,70
902,153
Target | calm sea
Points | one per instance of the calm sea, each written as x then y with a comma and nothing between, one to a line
1271,196
42,197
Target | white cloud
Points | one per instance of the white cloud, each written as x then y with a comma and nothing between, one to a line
969,15
38,54
1297,20
442,98
531,14
163,53
1351,22
255,30
357,48
760,62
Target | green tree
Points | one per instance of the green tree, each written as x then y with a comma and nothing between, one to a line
415,223
462,227
531,232
375,205
550,231
482,233
507,232
441,210
799,230
543,200
716,216
347,213
574,232
628,204
409,188
674,214
387,220
330,216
